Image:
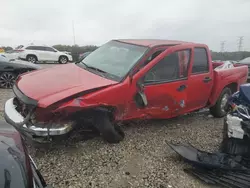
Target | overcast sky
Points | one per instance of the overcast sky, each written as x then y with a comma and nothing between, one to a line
97,21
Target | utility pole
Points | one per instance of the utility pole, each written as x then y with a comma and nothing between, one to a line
240,44
222,46
73,27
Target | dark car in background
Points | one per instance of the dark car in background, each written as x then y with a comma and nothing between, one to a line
17,168
10,70
245,61
83,55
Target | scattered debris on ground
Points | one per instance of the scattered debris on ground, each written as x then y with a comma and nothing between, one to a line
230,166
216,168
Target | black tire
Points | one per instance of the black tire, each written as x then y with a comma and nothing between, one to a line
110,133
31,58
63,59
7,80
218,110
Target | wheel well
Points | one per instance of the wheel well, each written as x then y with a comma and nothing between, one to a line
233,87
31,55
109,110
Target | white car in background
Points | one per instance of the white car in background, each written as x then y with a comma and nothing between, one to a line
39,53
10,54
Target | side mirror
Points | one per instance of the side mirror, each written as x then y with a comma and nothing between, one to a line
140,97
140,85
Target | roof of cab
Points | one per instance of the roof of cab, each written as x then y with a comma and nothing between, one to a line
152,42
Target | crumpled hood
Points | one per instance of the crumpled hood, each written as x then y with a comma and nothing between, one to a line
50,85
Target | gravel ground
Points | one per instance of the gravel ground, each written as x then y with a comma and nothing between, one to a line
143,159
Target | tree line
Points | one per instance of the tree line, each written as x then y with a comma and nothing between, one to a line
233,56
77,50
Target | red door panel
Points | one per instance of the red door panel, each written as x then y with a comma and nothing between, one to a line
200,81
198,91
166,100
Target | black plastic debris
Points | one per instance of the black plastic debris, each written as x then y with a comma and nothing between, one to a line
229,167
209,160
221,177
217,168
235,146
245,125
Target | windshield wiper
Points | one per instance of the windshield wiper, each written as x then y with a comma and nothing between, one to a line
103,73
96,69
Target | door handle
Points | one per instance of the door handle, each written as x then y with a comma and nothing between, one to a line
181,88
207,79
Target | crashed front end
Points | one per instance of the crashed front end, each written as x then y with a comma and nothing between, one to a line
24,114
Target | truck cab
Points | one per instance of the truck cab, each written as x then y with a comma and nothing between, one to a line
178,80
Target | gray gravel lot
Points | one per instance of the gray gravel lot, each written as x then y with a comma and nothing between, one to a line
143,159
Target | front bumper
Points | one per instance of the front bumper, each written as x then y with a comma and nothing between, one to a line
12,116
70,58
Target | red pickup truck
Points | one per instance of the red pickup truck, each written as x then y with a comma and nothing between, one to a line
122,80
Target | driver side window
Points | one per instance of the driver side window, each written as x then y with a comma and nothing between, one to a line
172,67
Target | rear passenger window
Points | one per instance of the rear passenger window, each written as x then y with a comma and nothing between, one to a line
30,48
49,49
200,64
41,48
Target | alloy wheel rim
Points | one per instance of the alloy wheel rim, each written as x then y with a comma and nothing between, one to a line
63,60
7,80
32,59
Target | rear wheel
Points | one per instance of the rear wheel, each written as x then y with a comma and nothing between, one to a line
221,107
7,80
31,58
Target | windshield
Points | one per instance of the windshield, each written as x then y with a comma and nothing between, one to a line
115,58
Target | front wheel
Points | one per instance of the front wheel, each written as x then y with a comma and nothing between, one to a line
63,60
221,108
110,132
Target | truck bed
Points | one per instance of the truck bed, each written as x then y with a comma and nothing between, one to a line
222,77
